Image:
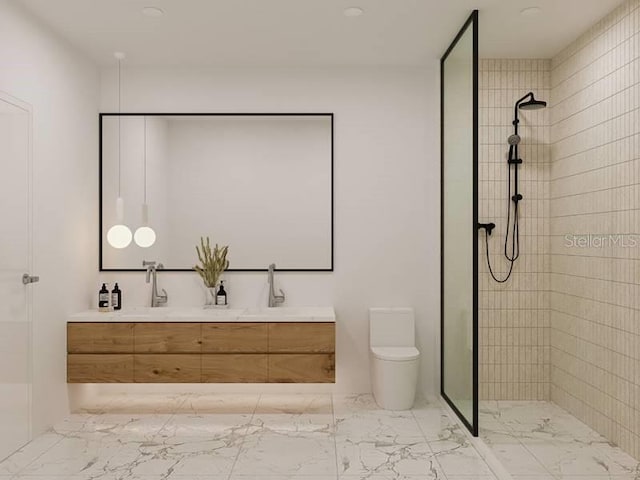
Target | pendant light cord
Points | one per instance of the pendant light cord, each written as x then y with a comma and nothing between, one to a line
119,131
145,160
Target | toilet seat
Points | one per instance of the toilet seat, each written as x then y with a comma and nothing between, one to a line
395,354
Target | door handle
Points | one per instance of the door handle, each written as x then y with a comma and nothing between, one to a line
27,279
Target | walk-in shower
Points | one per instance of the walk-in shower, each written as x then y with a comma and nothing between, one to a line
512,233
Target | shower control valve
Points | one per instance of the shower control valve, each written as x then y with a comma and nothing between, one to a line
487,226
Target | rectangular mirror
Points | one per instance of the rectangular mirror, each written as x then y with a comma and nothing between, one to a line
260,183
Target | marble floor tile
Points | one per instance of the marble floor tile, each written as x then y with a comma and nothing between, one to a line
393,476
106,476
374,426
421,403
262,437
448,436
541,434
517,460
147,403
543,421
283,477
219,403
562,459
533,477
477,477
355,403
29,453
277,454
295,404
75,455
456,459
175,456
77,422
139,426
401,456
434,423
215,425
292,424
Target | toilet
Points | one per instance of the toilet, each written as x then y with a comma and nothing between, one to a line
393,356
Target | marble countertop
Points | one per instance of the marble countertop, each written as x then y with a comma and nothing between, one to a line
199,314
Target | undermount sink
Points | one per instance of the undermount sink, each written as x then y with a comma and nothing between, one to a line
199,314
318,313
142,312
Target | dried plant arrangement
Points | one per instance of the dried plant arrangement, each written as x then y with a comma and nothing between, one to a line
212,262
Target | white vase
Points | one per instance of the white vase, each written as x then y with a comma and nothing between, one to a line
211,298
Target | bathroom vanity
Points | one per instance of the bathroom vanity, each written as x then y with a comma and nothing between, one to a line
162,345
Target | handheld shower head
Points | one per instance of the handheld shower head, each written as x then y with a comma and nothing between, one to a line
514,139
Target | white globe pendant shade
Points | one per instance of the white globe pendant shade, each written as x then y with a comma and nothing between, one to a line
119,236
145,236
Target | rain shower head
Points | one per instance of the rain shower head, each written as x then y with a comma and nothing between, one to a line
532,104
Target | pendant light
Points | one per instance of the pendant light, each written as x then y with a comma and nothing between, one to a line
145,236
119,236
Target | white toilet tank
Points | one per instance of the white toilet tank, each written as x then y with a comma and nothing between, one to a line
394,357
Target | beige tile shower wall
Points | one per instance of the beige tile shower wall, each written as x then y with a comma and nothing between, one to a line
514,316
595,195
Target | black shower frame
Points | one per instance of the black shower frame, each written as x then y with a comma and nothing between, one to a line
101,115
472,21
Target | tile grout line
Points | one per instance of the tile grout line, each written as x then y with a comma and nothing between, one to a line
520,442
334,434
487,455
21,469
244,437
434,456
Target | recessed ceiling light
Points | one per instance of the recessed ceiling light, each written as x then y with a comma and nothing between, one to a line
530,11
353,12
152,12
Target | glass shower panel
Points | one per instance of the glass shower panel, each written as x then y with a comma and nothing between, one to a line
15,260
459,218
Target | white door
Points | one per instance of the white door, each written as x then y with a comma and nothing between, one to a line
15,261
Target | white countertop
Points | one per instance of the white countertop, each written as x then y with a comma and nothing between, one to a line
199,314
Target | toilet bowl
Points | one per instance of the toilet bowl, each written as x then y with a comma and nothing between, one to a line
393,356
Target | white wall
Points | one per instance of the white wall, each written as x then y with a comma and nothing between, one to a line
62,88
386,192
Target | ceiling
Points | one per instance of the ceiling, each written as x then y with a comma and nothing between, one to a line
310,32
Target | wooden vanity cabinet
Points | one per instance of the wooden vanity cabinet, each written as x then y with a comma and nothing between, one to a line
167,337
241,337
183,352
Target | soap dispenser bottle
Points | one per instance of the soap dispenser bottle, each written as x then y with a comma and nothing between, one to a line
103,299
116,297
221,296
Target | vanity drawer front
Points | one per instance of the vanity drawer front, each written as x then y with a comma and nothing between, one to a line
302,368
164,337
234,337
100,337
234,368
174,368
302,337
99,368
